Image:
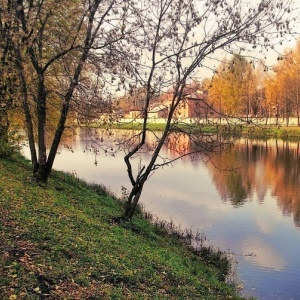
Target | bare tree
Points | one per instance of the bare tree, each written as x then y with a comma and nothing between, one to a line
175,39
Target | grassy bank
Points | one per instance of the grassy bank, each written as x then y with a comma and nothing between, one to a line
279,132
252,131
60,242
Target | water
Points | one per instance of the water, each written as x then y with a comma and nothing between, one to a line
252,212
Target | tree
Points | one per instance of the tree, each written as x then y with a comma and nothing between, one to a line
294,62
282,85
288,72
54,44
8,76
235,83
133,100
258,100
273,97
177,37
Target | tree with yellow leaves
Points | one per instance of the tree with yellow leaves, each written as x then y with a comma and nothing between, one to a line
282,86
234,87
52,44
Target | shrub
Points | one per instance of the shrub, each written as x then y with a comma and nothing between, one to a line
6,149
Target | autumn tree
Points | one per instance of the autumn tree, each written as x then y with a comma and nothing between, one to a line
281,89
132,100
54,43
234,85
8,76
258,99
273,98
175,38
295,67
287,72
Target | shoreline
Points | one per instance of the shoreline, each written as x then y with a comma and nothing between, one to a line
250,131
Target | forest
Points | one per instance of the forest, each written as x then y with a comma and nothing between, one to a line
241,87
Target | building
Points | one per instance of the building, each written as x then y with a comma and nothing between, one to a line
193,105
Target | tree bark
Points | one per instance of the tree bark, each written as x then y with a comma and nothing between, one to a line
132,201
28,116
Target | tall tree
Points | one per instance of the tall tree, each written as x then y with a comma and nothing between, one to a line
177,37
288,74
273,97
57,41
235,83
8,76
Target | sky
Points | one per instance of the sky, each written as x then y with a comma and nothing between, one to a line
205,28
269,56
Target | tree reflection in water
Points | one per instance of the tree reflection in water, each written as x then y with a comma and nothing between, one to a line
239,169
258,166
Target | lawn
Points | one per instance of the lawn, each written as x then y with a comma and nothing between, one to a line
61,241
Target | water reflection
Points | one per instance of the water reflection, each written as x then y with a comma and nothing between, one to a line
239,170
268,258
259,166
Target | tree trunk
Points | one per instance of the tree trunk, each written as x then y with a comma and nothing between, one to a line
57,137
132,201
41,110
28,116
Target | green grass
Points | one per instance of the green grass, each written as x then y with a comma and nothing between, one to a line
252,131
280,132
59,241
139,126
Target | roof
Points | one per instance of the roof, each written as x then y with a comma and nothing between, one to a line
157,108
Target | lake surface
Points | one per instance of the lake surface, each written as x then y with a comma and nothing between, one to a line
251,211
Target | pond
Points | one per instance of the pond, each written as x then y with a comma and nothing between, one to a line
246,201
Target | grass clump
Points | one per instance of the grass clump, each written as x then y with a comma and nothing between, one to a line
60,242
7,150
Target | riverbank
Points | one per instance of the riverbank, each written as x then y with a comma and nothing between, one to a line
60,241
242,130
